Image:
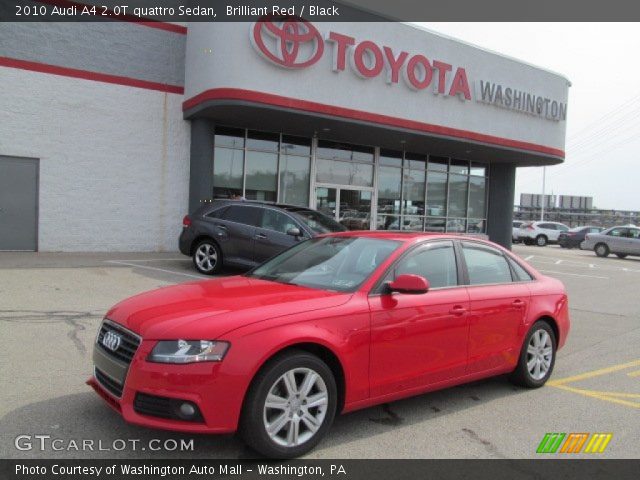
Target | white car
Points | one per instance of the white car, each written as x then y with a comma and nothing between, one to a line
540,233
516,230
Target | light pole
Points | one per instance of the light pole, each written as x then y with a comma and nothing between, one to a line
544,178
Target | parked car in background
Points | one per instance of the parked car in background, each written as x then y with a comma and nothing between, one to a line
621,241
516,230
245,234
573,237
540,233
334,324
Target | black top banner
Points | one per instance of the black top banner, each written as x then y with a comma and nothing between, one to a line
316,10
582,469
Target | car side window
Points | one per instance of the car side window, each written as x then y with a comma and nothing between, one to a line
276,221
634,233
435,261
594,230
242,214
485,265
521,274
546,226
562,228
618,232
217,213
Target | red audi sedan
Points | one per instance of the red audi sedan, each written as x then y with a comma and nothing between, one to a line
334,324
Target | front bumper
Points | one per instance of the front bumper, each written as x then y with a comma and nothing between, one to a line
217,395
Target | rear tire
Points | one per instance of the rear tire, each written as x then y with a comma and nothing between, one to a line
621,255
207,257
289,427
537,357
602,250
541,241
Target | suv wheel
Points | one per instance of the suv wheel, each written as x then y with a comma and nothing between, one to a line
541,240
207,257
290,406
602,250
537,357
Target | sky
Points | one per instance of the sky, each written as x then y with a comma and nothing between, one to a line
603,120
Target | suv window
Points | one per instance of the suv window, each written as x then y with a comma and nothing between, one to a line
634,233
485,265
242,214
276,221
217,213
562,228
618,232
547,226
435,261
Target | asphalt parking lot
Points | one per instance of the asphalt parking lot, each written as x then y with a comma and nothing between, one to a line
51,306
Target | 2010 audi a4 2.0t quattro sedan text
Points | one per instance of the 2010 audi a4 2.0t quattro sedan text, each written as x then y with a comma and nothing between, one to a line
334,324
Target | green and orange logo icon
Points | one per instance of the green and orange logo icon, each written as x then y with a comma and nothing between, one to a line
574,443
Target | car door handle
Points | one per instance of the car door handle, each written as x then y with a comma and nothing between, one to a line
261,236
518,303
458,310
221,227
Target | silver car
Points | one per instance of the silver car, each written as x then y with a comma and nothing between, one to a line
621,241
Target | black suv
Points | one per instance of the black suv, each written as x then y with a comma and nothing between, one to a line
246,233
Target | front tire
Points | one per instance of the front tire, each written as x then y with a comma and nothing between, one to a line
601,250
290,406
537,357
541,241
207,257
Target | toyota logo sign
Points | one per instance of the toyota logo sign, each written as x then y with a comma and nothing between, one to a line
111,341
291,42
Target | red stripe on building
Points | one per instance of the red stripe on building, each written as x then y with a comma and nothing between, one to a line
109,14
87,75
307,106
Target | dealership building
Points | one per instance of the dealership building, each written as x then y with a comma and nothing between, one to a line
110,132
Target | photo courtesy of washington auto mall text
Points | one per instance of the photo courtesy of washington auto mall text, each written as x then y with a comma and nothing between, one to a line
359,239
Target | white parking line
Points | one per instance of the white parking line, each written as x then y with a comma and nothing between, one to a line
573,274
129,264
526,259
558,262
151,260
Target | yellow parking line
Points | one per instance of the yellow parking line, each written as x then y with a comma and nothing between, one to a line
634,374
599,396
594,373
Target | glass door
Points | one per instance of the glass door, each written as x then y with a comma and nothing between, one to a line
351,207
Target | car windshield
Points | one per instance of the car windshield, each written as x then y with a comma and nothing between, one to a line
317,222
328,263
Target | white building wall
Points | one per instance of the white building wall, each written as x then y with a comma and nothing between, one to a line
114,160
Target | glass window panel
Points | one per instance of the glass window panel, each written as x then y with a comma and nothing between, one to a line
295,145
436,263
459,166
333,150
326,201
389,183
391,157
415,161
478,169
413,193
485,265
227,168
344,173
438,164
435,224
355,209
458,195
242,214
294,179
477,197
456,225
436,194
276,221
261,176
476,225
229,137
263,141
413,223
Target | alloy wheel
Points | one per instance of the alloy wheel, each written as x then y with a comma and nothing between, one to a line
539,354
295,407
206,257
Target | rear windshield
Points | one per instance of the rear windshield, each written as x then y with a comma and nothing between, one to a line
316,221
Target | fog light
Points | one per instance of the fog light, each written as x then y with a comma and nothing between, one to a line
187,410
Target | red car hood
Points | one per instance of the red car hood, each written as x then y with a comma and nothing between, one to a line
206,310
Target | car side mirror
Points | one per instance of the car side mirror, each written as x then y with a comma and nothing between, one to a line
294,232
409,283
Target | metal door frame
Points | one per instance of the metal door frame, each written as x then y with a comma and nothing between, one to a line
338,188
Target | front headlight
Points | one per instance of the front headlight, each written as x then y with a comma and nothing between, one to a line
188,351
